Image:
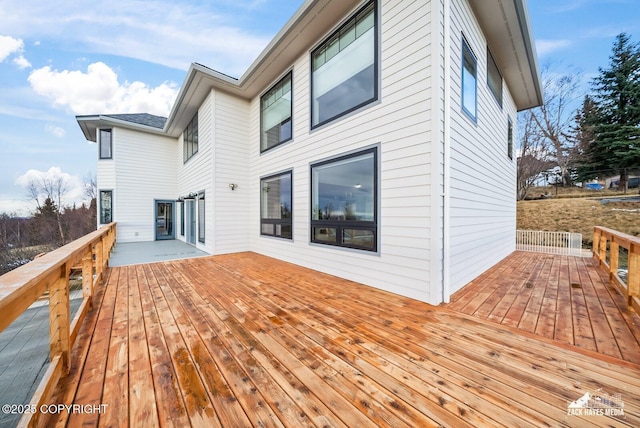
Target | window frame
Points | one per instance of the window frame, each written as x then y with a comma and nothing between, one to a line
182,217
280,221
101,217
341,225
467,52
289,76
201,227
101,143
376,64
492,67
190,139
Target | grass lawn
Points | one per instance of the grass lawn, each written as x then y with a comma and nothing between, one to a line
579,214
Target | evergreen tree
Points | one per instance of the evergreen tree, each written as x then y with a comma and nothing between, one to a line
616,121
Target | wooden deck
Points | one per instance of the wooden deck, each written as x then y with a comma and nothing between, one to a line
568,299
246,340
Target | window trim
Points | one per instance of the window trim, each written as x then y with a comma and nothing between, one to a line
277,221
101,143
466,49
339,225
100,217
376,65
289,75
193,123
202,214
182,216
491,60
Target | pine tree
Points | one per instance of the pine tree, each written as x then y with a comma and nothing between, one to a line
617,117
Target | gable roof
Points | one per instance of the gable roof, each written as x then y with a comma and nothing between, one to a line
140,121
505,23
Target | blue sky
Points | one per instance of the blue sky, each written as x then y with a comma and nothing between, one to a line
64,58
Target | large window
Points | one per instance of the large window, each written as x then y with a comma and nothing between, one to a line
201,217
276,210
275,115
105,144
344,201
344,68
190,139
106,206
494,78
469,81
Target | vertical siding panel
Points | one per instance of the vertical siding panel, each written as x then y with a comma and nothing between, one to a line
482,175
231,208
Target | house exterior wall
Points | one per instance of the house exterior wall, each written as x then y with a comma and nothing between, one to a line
144,170
196,174
446,185
231,166
399,125
483,178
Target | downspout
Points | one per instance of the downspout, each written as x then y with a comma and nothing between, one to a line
446,173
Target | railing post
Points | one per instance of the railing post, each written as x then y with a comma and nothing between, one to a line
633,279
614,253
87,275
603,248
59,317
596,241
99,259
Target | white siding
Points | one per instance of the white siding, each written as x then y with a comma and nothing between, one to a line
399,123
196,174
231,166
482,191
145,171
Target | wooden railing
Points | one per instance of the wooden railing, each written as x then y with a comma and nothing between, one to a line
606,248
21,287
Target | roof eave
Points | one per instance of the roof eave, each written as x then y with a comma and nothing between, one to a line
90,123
512,47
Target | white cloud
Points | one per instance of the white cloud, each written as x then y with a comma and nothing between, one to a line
73,184
164,32
544,47
22,62
9,46
56,131
98,91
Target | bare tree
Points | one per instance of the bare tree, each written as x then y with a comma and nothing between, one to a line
90,186
53,188
534,157
553,120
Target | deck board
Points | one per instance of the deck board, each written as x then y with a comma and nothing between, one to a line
246,340
568,299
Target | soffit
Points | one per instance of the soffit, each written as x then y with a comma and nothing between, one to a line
507,27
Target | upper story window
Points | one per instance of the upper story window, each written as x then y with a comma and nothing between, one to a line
469,81
105,144
275,115
190,139
276,210
344,195
494,78
345,68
